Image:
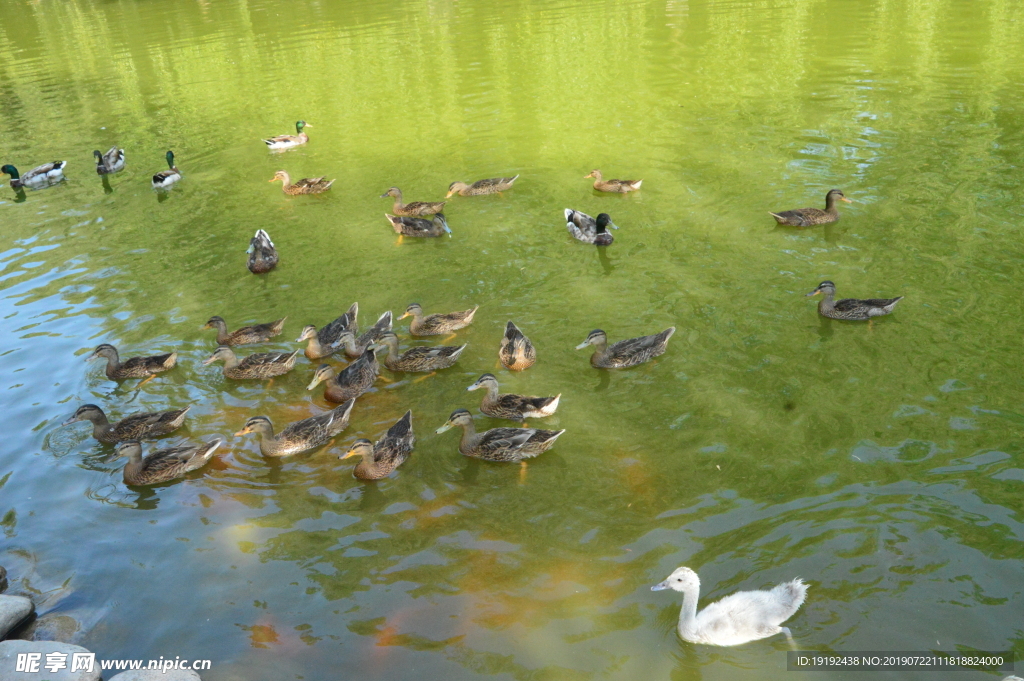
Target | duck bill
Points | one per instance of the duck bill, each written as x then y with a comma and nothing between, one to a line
385,195
70,421
348,454
404,316
813,293
273,180
243,431
449,194
475,386
582,345
251,249
209,360
613,225
443,428
845,200
91,357
661,586
314,383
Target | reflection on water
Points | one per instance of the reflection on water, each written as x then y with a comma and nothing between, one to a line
880,464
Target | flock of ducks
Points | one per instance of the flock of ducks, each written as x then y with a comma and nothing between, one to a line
738,618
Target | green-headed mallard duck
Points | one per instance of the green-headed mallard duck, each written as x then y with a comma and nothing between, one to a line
499,444
390,452
625,353
614,186
491,186
808,217
262,254
851,309
419,227
133,367
353,381
110,162
437,323
416,209
355,347
516,352
588,230
326,341
289,141
258,366
257,333
300,436
511,406
165,178
163,465
307,185
40,176
420,358
137,426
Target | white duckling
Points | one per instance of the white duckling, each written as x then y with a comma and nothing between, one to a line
738,618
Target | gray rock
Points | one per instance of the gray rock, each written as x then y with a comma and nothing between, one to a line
9,651
52,627
155,675
13,611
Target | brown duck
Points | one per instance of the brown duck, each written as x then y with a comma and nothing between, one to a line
808,217
614,186
416,209
137,426
257,333
389,452
133,367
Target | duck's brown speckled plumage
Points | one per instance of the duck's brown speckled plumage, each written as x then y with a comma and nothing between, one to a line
163,465
137,426
613,186
809,217
261,365
307,185
257,333
480,187
437,323
387,454
851,309
133,367
419,358
353,381
511,406
419,227
516,352
499,444
416,209
299,436
327,340
625,353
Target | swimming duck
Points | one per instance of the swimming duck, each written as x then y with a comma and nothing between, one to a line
491,186
354,347
137,426
40,176
420,358
851,308
300,436
416,209
163,465
587,229
625,353
614,186
738,618
499,444
437,323
257,333
353,381
289,141
260,365
307,185
133,367
419,227
325,342
390,452
110,162
516,352
511,406
165,178
262,254
808,217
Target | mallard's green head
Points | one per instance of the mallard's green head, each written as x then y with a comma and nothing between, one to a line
299,125
170,159
10,170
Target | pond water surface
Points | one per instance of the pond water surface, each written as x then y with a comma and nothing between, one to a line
882,464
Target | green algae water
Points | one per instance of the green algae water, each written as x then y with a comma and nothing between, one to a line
882,464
